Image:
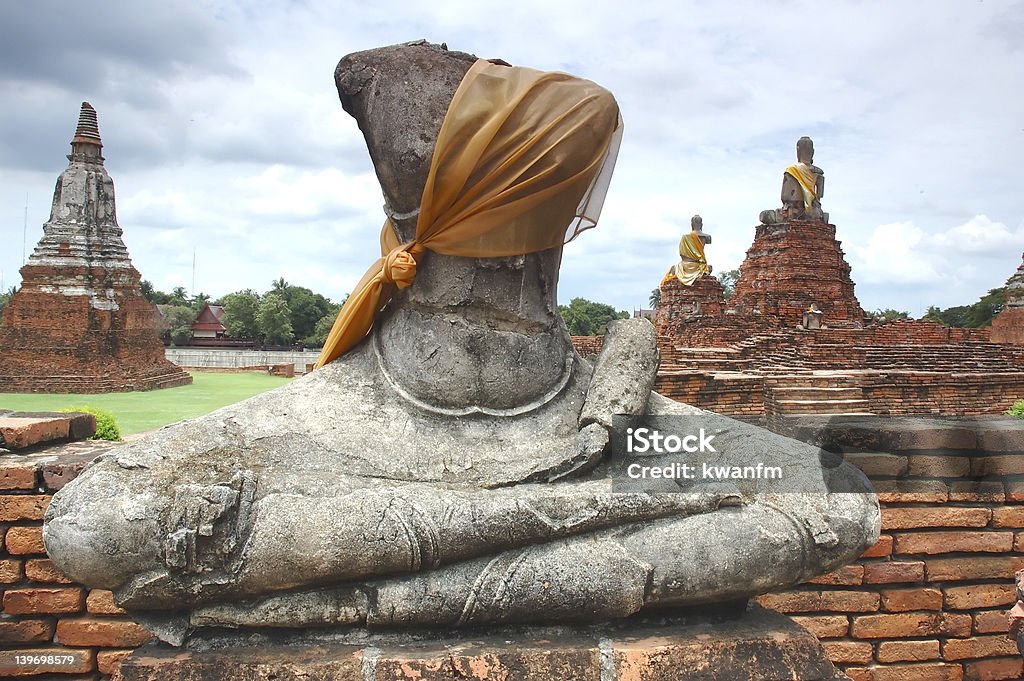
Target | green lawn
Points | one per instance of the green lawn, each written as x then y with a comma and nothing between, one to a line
141,411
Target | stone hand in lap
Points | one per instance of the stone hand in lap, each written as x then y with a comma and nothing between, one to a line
452,467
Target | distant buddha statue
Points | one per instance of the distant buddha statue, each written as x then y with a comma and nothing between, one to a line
693,264
803,186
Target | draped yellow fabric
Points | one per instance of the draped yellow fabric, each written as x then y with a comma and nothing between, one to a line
521,164
808,181
692,263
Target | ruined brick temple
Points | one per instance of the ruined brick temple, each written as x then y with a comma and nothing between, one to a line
793,339
79,323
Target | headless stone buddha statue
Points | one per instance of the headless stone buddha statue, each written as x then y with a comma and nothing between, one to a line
803,186
452,466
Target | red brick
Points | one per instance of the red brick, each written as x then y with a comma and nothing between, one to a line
42,601
1014,490
892,572
881,548
821,601
998,669
911,672
848,652
101,602
16,631
858,673
18,433
927,466
15,507
964,569
17,475
911,491
908,651
980,596
848,575
10,571
105,632
977,647
987,492
991,622
792,601
879,465
1002,464
919,517
849,601
914,624
1018,542
953,542
1008,516
109,661
22,541
60,473
906,600
43,570
824,626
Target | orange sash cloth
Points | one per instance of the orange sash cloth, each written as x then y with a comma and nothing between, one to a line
808,180
692,264
521,165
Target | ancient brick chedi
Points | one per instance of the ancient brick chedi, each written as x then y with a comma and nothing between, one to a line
79,322
792,265
1008,326
795,261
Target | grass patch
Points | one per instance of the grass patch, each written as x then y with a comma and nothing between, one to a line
141,411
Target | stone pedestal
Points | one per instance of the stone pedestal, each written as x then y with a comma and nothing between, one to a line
759,646
792,265
682,304
79,322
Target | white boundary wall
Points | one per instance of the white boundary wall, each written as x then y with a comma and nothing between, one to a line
226,358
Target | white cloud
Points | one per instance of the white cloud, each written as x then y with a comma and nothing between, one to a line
224,134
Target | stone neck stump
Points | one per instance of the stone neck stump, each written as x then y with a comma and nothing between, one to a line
79,322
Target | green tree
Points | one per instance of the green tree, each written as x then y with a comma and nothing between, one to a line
273,319
179,320
152,295
888,315
198,301
322,329
240,310
586,318
5,297
975,316
179,296
728,281
655,299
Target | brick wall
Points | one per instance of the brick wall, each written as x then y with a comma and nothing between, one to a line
44,613
929,600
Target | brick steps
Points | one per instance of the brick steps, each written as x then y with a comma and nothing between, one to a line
826,407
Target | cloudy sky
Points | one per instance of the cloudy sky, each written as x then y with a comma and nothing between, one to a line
224,135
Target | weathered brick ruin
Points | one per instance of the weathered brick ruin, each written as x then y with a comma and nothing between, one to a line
751,356
1008,326
79,323
679,303
790,266
928,601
